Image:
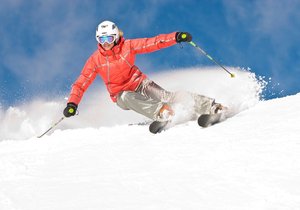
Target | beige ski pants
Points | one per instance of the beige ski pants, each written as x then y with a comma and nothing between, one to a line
149,98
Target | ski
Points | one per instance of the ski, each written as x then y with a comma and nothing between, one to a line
157,126
206,120
140,123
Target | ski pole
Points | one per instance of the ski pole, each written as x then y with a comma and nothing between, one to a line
55,124
213,60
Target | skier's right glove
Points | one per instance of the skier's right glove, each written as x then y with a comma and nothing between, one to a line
70,110
183,37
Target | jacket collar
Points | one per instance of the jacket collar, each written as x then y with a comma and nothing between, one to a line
115,50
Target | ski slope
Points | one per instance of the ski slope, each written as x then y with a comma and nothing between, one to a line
250,161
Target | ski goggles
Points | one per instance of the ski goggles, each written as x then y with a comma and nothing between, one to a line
108,39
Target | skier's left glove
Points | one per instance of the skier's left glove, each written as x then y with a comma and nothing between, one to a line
70,110
183,37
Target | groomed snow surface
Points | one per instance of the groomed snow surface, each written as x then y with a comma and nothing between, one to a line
97,161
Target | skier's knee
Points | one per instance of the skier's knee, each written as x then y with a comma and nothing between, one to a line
121,100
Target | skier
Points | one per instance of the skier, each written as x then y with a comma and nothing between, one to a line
128,86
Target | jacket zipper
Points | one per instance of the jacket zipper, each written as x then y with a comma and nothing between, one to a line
108,75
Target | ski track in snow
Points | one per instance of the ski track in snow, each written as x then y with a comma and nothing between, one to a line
250,161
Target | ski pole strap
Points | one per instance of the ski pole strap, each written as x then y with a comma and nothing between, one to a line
210,58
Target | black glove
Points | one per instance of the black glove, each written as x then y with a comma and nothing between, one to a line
70,110
183,37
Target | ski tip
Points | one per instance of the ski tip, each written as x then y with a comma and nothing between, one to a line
207,120
157,126
204,120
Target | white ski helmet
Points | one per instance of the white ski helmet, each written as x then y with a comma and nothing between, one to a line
107,28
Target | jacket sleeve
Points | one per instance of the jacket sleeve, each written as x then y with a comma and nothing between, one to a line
147,45
86,77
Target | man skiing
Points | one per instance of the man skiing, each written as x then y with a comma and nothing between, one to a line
127,85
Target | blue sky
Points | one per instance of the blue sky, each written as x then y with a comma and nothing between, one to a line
44,44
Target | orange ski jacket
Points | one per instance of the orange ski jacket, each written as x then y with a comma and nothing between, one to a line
116,66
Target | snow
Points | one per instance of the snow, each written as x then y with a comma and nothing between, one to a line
250,161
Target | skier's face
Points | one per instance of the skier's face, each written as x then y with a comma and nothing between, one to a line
107,46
